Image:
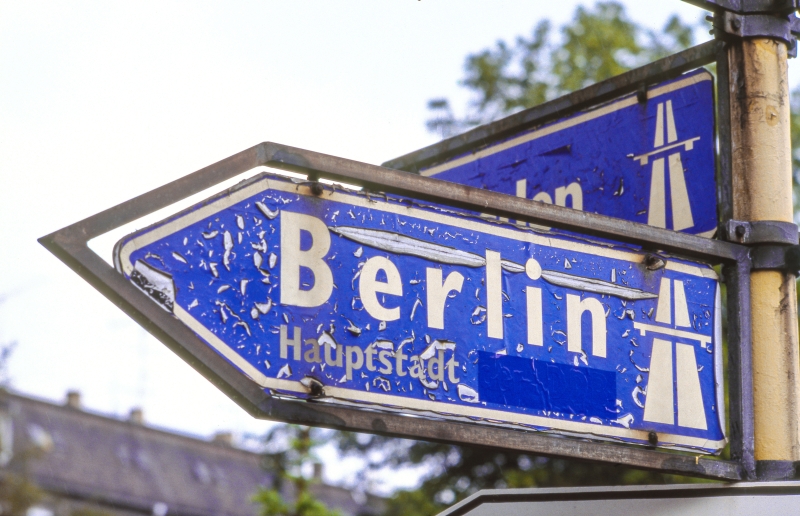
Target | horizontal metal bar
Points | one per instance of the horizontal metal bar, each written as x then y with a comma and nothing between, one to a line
485,201
533,442
776,257
429,189
603,91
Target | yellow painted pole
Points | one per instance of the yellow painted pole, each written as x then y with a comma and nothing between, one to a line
762,190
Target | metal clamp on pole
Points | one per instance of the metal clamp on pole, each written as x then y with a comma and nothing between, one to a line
773,257
774,19
762,232
774,243
773,249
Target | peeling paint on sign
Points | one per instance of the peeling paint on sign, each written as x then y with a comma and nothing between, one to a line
651,162
420,309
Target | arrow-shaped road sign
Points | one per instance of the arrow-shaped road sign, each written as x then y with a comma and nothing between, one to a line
392,305
355,310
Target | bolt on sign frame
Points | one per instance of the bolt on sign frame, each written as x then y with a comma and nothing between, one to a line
70,244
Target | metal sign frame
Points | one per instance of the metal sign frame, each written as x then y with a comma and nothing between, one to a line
70,244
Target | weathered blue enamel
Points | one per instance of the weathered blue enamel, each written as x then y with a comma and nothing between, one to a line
651,162
391,304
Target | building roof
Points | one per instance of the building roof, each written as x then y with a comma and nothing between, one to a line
82,455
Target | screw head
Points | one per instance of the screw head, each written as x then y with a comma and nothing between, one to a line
652,262
316,188
736,24
740,231
652,438
314,386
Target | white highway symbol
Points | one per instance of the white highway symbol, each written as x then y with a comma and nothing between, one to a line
681,209
659,405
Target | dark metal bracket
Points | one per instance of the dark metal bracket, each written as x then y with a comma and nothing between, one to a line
762,232
738,19
774,244
773,257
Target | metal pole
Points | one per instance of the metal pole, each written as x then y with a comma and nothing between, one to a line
762,191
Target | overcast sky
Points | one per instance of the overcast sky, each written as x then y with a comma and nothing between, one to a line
102,101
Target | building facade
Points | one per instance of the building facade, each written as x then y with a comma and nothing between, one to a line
89,464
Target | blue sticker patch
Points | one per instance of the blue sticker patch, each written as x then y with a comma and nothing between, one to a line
550,387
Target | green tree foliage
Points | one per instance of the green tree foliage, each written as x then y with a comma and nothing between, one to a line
597,44
295,449
88,511
18,493
795,126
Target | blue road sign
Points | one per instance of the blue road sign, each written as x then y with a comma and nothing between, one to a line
649,162
389,304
